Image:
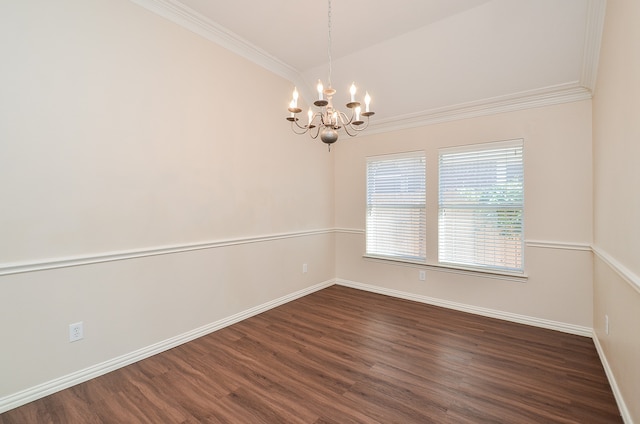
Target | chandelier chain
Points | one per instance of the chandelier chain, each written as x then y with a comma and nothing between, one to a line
329,40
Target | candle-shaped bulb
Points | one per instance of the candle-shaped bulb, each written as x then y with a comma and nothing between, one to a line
334,118
295,97
291,106
320,88
358,109
310,113
352,90
367,101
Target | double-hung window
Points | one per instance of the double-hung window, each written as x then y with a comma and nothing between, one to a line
396,216
481,205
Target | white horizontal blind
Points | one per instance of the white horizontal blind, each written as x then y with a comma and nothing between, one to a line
396,217
481,205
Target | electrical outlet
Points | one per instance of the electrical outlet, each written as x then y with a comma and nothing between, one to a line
76,332
304,268
422,275
606,323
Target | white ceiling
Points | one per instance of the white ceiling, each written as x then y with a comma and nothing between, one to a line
421,60
295,31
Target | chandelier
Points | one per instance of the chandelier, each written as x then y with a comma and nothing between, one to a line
327,120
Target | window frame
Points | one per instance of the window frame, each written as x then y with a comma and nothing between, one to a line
474,208
419,205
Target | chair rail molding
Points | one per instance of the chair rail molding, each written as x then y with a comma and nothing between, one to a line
54,263
627,275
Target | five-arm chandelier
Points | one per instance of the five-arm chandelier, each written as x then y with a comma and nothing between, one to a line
327,121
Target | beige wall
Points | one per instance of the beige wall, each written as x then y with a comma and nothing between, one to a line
120,134
122,130
616,136
558,219
123,136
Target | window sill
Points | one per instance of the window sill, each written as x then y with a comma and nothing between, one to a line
498,275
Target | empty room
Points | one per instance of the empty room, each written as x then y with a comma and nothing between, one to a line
320,211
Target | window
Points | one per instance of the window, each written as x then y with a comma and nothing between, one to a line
481,203
396,218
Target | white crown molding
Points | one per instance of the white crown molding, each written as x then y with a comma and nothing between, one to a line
593,39
491,313
195,22
188,18
47,264
41,390
561,93
617,393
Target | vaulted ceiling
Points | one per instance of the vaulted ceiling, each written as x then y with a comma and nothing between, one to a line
422,61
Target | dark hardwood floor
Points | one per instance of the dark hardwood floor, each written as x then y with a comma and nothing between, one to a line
347,356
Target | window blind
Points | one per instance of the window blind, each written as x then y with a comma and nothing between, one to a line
481,205
396,217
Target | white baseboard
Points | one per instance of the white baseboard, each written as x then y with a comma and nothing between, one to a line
622,406
41,390
28,395
492,313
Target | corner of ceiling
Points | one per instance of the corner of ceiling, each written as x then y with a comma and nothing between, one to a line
193,21
593,40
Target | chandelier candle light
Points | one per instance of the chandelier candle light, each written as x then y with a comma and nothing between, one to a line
328,120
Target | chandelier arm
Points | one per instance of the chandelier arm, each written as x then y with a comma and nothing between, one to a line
319,116
298,125
343,118
356,130
302,127
353,130
317,133
364,127
348,129
360,128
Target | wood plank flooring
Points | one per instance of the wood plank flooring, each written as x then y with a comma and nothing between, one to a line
346,356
